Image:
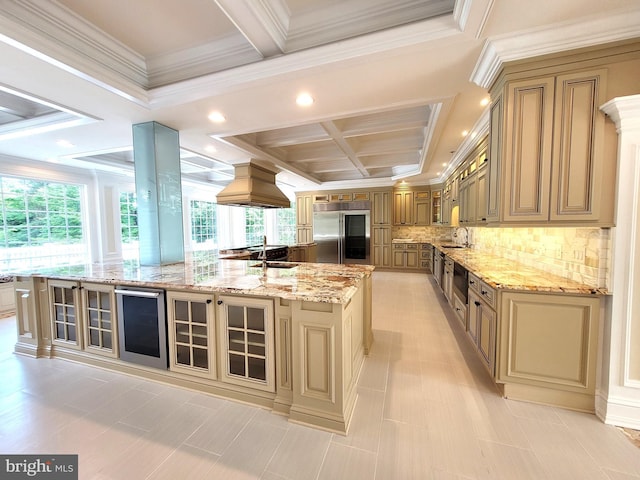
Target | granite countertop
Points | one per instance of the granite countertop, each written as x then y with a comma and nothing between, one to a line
313,282
506,274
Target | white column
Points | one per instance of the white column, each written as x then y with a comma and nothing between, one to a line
106,225
618,402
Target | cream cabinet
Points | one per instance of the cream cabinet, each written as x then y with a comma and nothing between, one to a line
482,323
426,257
83,316
402,207
436,207
303,253
381,208
191,333
547,160
381,246
100,325
422,208
447,279
246,330
7,298
406,255
64,302
548,348
304,218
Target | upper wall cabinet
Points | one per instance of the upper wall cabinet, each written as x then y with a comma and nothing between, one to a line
402,207
381,208
547,157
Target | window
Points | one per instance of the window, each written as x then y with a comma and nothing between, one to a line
129,224
286,225
35,214
254,226
204,231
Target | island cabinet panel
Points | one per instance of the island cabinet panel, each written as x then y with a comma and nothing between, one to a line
328,353
32,316
247,339
548,348
64,302
191,333
284,359
100,324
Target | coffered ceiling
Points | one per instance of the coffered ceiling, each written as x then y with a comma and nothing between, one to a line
394,82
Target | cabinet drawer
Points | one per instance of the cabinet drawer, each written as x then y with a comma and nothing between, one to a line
399,246
474,283
488,294
412,246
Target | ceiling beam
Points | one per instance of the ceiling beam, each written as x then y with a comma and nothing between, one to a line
336,134
264,24
258,153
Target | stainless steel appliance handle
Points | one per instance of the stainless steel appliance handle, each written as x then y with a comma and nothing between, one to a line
137,293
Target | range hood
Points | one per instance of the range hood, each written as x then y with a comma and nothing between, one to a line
253,186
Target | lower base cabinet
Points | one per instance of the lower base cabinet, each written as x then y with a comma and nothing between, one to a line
191,333
246,330
548,348
482,330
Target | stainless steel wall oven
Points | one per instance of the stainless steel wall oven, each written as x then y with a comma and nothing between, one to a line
142,326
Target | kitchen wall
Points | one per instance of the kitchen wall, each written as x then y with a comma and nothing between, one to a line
581,254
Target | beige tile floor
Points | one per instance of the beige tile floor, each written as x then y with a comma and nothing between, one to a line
426,410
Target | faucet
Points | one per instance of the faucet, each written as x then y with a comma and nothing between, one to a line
466,237
263,255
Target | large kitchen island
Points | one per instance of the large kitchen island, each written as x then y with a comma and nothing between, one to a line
290,337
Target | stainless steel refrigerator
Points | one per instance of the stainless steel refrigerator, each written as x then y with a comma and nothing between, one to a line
342,232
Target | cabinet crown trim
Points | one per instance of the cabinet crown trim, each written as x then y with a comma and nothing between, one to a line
573,34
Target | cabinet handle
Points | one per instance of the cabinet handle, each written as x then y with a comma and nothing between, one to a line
472,282
208,301
219,302
74,287
484,292
477,303
458,309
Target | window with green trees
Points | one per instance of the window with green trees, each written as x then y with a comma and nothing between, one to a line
254,226
204,231
34,214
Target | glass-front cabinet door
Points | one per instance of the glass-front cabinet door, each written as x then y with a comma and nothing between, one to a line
66,330
247,331
191,333
100,325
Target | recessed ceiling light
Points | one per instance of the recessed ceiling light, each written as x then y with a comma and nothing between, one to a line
65,144
217,117
465,133
484,102
210,149
444,164
304,100
438,173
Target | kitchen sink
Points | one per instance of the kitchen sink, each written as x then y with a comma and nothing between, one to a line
452,246
275,265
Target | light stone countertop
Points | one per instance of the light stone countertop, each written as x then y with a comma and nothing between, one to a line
502,273
205,272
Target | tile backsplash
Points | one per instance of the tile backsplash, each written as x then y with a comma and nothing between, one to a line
580,254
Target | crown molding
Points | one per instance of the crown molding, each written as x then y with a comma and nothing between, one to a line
461,13
569,35
478,132
54,34
222,54
624,112
349,19
354,48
